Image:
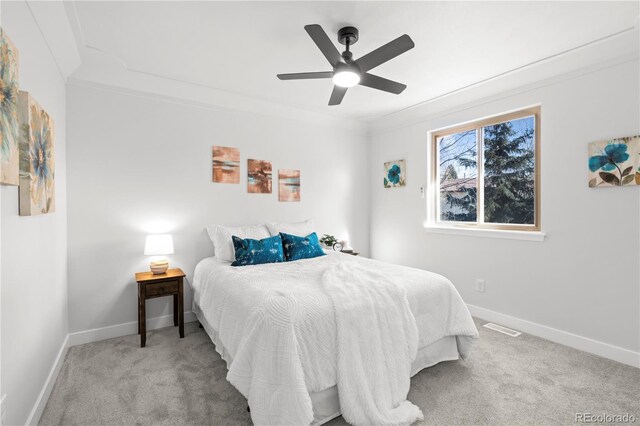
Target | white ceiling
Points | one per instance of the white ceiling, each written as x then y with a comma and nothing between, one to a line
239,47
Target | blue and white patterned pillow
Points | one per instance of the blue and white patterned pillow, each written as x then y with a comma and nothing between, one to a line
256,252
296,248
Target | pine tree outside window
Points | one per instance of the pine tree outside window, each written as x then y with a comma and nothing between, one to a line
487,173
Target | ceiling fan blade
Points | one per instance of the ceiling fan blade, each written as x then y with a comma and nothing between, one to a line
337,95
321,39
383,84
306,75
385,53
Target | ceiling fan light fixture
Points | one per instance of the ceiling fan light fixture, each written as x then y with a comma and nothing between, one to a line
346,78
348,72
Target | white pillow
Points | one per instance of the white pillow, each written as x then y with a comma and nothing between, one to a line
223,244
301,229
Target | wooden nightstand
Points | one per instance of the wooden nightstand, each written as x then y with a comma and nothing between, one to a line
151,286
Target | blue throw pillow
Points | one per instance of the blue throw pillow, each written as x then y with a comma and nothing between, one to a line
256,252
296,248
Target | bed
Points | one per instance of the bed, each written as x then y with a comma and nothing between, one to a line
274,326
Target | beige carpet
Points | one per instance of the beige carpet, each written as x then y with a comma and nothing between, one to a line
173,381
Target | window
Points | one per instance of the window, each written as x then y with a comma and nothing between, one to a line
487,173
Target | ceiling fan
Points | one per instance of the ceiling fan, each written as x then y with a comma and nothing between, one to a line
347,72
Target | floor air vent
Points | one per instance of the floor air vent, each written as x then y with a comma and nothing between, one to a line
501,329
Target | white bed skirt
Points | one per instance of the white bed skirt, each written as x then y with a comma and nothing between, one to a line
326,405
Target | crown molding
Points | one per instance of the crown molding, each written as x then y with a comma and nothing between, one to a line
294,114
55,28
607,52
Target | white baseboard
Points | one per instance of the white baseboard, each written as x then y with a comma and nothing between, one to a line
585,344
103,333
41,402
97,334
606,350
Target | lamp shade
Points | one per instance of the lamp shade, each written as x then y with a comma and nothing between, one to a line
158,244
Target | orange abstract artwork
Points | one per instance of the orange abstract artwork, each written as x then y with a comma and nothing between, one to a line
259,177
226,164
289,185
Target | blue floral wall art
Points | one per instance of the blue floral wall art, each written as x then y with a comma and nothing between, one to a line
37,163
614,162
394,174
9,154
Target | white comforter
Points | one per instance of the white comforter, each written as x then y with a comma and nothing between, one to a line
377,342
278,327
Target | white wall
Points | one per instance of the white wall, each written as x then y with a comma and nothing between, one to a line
140,164
584,277
34,255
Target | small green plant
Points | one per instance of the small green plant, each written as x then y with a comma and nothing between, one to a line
328,240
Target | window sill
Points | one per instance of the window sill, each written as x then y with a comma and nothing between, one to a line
487,233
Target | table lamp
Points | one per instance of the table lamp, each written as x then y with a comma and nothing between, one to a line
158,245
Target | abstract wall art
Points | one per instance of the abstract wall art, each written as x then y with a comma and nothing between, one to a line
9,130
37,161
259,177
289,185
394,174
614,162
226,164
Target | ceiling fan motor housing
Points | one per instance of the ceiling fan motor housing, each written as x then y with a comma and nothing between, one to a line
348,33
